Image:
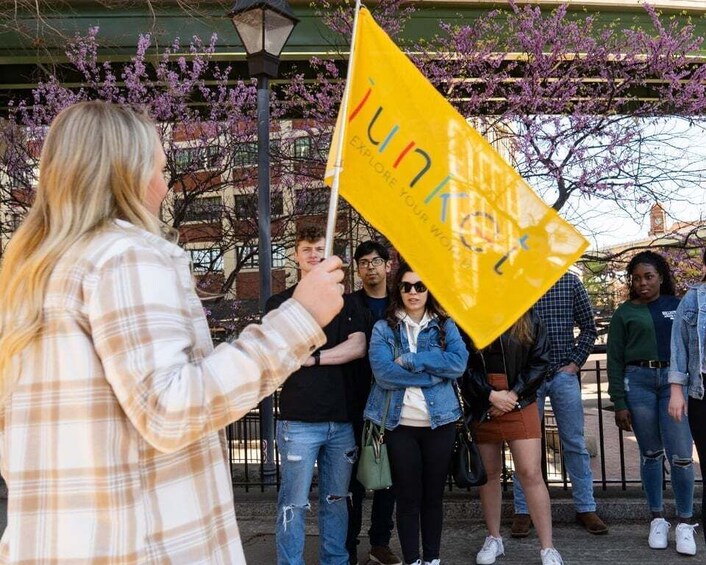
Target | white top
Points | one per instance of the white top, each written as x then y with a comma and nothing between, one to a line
414,406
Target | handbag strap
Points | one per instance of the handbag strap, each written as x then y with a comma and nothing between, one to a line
396,348
464,423
384,414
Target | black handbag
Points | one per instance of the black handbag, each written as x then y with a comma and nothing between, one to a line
467,468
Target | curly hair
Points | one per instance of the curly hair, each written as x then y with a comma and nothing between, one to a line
308,233
432,306
661,266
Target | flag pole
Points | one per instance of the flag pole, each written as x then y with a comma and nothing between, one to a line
343,112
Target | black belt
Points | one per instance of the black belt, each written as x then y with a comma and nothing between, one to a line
650,364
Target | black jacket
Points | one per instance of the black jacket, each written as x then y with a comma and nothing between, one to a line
526,366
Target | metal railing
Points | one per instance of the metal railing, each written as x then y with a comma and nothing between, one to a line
615,457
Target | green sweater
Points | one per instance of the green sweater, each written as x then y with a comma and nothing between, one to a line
638,332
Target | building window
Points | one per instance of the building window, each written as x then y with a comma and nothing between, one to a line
20,179
250,258
247,254
279,256
196,158
208,209
246,205
246,153
206,260
312,201
302,147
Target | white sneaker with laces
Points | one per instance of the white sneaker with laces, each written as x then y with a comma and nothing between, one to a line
492,548
551,556
433,562
659,528
685,539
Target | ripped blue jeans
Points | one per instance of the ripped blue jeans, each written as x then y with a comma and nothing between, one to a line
331,446
659,435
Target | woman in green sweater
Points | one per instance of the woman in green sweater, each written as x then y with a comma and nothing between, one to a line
638,363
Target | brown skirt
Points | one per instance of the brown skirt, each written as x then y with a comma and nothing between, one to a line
517,424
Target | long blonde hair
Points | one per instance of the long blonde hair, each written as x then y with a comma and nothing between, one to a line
95,167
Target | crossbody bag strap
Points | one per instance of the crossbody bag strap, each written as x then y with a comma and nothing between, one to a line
466,429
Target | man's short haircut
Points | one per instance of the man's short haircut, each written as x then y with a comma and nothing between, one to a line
309,233
368,247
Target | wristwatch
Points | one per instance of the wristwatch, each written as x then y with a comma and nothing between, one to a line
317,357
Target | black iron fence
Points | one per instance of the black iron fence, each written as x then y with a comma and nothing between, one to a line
614,454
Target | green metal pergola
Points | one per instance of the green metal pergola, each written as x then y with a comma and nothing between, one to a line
32,43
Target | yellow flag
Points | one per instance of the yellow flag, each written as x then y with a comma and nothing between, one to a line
475,232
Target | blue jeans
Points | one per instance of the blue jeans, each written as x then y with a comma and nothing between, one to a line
647,395
564,391
332,447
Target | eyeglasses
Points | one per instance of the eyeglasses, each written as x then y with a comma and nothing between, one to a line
418,286
365,263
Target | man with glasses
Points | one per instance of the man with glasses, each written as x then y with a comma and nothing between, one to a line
373,262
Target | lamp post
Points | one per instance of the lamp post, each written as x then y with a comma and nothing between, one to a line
264,28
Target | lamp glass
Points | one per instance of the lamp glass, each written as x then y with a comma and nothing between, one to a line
277,31
249,26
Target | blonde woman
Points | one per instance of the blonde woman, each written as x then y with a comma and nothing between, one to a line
112,393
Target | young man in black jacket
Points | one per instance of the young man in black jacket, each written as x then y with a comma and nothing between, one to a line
373,262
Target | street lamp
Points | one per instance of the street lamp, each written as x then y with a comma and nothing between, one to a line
264,28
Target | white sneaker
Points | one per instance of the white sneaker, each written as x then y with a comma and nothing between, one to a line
492,548
550,556
685,539
659,528
433,562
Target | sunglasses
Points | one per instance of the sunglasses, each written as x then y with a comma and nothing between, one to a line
418,286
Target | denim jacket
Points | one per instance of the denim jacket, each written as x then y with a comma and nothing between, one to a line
431,368
688,332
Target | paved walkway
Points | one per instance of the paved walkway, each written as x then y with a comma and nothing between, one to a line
464,533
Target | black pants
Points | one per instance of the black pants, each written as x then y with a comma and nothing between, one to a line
381,523
697,423
419,459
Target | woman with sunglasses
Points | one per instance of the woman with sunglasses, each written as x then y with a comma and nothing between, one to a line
416,354
500,389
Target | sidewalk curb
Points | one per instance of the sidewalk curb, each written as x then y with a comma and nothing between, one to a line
613,505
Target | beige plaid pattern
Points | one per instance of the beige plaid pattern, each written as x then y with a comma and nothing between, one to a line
110,441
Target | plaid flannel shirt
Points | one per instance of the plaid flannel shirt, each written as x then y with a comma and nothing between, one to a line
111,439
565,305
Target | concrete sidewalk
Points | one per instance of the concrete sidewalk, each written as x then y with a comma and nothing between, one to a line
464,532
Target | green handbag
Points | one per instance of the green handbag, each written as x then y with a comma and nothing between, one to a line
373,465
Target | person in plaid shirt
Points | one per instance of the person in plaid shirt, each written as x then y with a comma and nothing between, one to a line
563,306
113,397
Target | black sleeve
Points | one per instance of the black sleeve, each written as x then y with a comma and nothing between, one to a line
275,301
475,388
355,316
